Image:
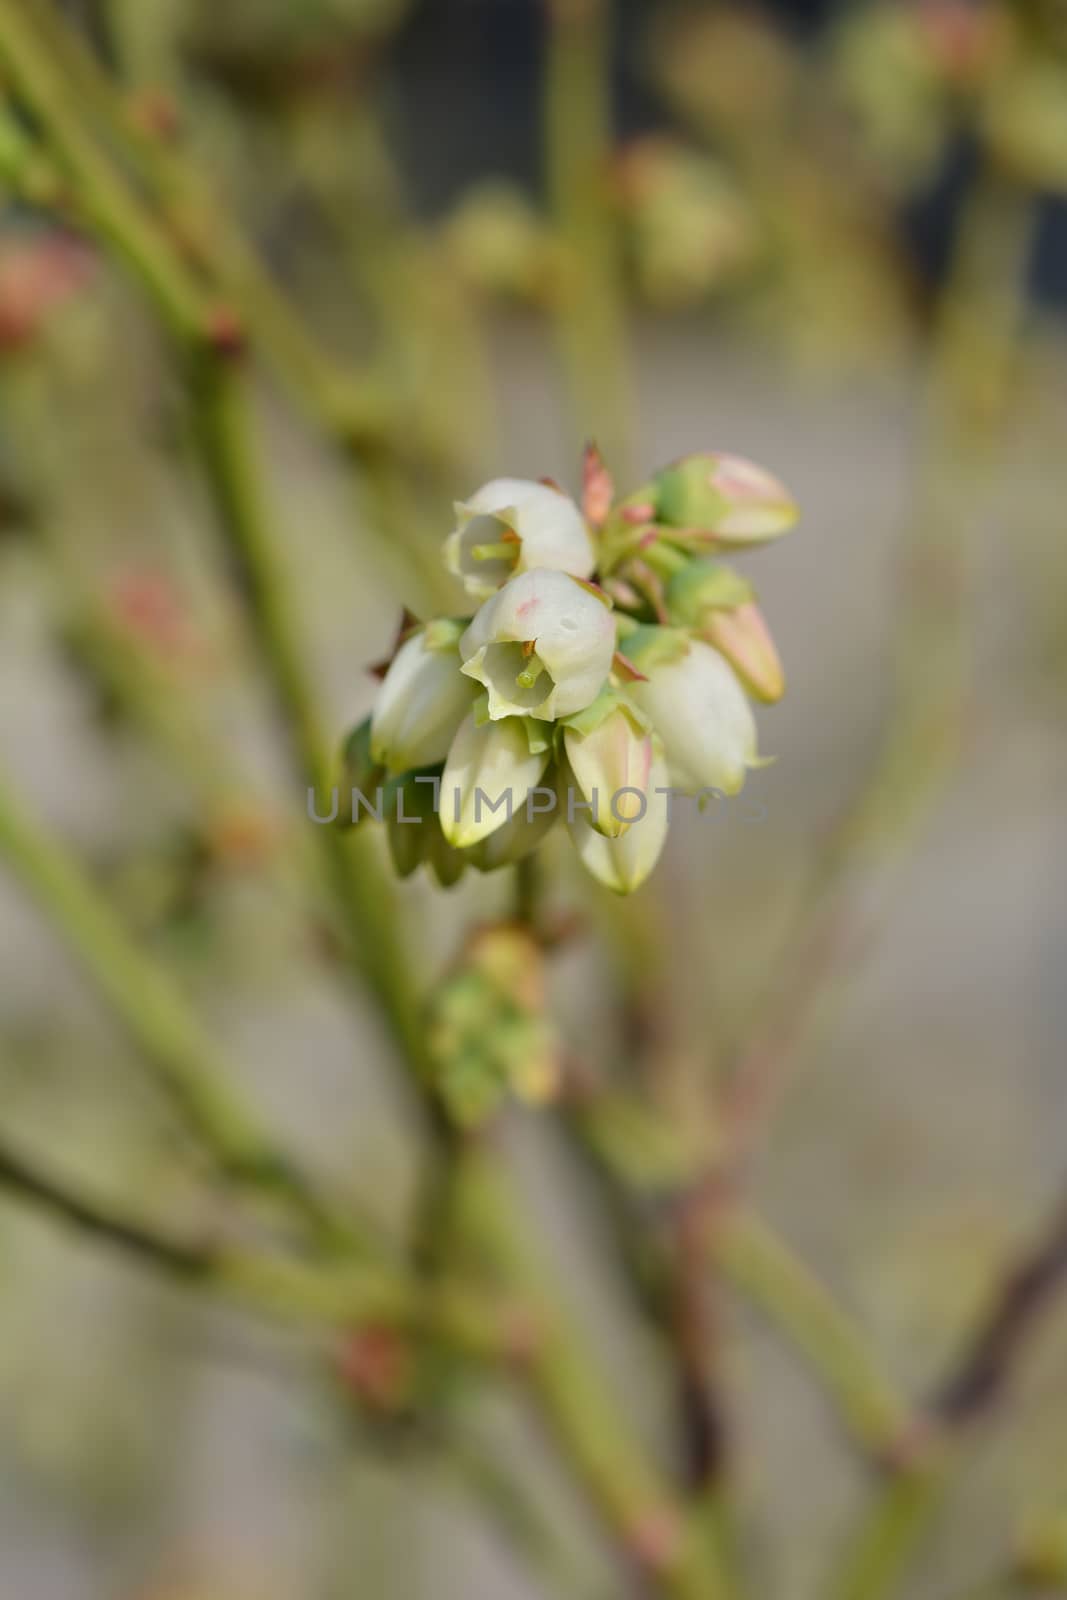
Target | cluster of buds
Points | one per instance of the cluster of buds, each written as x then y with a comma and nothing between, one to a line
606,672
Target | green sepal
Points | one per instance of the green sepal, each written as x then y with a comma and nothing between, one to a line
538,735
444,633
652,646
608,701
705,585
684,496
480,710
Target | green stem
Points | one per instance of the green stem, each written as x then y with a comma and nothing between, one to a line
968,390
639,1509
590,309
155,1015
223,424
897,1521
104,196
779,1284
757,1261
275,1286
48,61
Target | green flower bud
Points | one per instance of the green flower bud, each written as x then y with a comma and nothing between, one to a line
731,500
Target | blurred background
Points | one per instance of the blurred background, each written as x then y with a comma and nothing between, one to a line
829,238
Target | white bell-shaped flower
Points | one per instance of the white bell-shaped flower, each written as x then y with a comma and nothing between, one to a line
491,768
698,708
513,525
611,760
623,863
423,698
542,646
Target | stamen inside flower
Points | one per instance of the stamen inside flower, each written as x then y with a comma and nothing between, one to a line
515,676
529,676
504,551
489,549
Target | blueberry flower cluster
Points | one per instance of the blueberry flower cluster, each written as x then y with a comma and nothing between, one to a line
607,668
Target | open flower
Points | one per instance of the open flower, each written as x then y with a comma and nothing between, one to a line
609,748
422,701
698,708
491,768
513,525
624,862
542,646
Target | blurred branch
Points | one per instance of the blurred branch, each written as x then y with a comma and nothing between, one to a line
212,341
761,1266
650,1524
47,61
968,388
991,1356
878,1558
590,306
341,1297
156,1016
795,1301
220,404
25,1182
185,304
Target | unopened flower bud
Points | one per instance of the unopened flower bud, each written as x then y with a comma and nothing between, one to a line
609,748
360,769
530,824
410,807
732,500
491,768
422,701
698,708
623,863
542,646
743,637
513,525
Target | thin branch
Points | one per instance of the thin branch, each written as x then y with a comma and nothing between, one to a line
993,1352
578,136
637,1505
880,1553
762,1268
47,58
976,338
186,1062
339,1297
23,1180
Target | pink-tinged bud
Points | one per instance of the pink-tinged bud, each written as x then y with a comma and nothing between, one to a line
35,279
146,603
611,759
743,637
960,36
727,498
598,488
621,864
